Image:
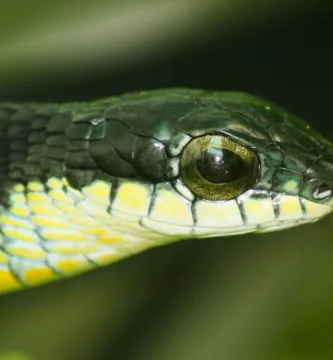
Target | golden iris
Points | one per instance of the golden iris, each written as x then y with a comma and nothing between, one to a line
214,167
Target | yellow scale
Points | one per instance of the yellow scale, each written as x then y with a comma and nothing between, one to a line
53,230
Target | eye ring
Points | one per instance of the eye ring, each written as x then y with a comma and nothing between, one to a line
235,153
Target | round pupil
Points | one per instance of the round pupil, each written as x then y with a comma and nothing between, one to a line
219,165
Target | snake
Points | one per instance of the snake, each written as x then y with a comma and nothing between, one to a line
86,184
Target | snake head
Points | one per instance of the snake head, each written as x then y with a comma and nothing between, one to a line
211,164
97,182
264,168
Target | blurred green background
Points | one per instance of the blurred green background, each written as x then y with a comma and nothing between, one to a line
240,298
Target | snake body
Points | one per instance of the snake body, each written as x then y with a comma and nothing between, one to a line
86,184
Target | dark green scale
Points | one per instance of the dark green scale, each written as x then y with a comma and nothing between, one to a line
131,137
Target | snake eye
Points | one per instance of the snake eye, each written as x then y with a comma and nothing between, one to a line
215,167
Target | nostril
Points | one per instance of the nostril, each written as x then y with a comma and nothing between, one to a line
323,191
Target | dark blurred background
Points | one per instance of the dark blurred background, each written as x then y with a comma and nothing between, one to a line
239,298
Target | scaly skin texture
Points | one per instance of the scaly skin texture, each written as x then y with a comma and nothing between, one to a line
87,184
